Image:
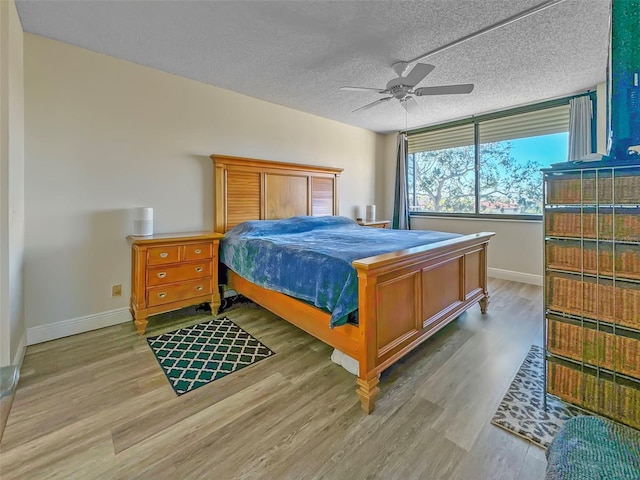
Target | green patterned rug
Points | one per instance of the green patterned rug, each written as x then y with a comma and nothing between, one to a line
196,355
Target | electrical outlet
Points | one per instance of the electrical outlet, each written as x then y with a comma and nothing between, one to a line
116,290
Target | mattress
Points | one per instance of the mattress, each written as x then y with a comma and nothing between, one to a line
310,258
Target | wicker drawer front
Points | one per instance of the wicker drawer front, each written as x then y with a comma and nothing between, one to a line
565,383
600,301
567,255
567,190
595,347
618,401
198,251
177,273
572,223
162,255
172,293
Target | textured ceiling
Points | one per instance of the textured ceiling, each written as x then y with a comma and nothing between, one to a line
298,53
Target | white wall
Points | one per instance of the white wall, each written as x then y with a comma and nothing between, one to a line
104,135
12,211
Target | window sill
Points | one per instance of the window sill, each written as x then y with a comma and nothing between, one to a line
471,216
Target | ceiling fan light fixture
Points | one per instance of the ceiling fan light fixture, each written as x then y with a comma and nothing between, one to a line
399,67
403,88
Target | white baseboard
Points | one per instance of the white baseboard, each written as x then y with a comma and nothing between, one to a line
73,326
515,276
22,348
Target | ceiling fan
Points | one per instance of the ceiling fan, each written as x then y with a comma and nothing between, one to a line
403,88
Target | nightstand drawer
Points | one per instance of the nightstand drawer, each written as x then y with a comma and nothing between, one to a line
178,273
197,251
162,255
172,293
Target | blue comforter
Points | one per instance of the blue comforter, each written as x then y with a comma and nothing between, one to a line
310,258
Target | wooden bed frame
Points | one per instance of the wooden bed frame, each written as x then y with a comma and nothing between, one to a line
404,297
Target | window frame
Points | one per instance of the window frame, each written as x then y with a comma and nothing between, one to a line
475,121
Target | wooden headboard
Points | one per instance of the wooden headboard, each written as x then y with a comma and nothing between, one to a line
249,189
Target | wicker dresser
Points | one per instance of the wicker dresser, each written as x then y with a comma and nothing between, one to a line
592,288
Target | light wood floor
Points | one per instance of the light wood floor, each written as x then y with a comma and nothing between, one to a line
97,405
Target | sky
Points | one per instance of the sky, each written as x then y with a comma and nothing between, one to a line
545,149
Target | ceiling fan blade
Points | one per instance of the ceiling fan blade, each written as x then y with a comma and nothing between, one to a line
362,89
417,74
372,104
411,106
444,90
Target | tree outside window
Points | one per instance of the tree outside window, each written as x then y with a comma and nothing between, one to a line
443,176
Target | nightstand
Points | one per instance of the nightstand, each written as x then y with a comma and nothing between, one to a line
172,271
376,224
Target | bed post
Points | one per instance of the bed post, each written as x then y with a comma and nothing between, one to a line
368,377
484,304
484,301
368,392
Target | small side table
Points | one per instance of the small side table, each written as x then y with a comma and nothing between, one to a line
376,224
171,271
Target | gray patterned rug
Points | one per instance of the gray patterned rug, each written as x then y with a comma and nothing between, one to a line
199,354
522,411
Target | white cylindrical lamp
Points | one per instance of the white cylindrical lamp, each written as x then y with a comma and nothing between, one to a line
370,213
143,222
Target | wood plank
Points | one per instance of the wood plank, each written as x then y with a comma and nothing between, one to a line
286,196
322,196
496,455
534,465
82,411
245,189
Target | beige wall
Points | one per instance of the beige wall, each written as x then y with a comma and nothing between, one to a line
12,211
105,135
515,252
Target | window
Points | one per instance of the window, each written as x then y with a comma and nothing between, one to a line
489,165
442,171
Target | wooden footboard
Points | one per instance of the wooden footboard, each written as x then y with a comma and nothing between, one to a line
404,297
407,296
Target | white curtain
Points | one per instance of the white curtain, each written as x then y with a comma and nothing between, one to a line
580,116
401,201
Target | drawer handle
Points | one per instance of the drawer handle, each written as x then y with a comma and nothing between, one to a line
199,269
199,287
162,274
162,295
164,255
198,251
